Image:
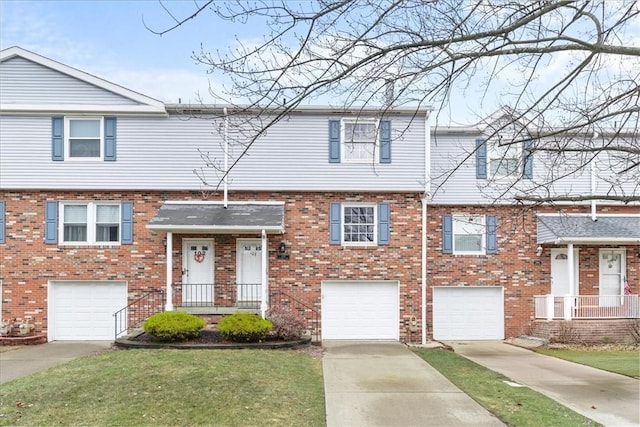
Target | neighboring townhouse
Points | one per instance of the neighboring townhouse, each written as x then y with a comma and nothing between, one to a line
502,264
366,221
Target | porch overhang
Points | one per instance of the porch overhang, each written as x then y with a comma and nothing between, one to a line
216,218
582,229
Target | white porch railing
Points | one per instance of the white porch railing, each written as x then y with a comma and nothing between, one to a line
569,307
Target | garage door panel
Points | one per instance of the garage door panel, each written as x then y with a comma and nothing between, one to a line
84,310
360,310
468,313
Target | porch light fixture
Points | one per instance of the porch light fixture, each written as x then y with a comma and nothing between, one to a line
539,251
164,242
282,248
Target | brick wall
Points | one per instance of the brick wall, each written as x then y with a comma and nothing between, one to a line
27,263
586,331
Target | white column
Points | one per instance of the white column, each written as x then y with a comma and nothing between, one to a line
169,304
550,301
568,299
264,304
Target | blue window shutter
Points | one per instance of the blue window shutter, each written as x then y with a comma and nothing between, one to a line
384,229
335,220
334,141
447,234
57,138
51,222
528,160
492,235
126,237
481,159
2,223
385,141
110,139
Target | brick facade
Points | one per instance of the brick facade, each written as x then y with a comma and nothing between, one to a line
27,263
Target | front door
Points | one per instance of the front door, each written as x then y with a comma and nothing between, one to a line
197,272
560,272
249,273
612,268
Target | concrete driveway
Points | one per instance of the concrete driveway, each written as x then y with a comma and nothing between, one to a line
386,384
610,399
29,359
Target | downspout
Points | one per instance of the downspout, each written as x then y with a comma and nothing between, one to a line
427,189
226,155
169,303
264,278
593,183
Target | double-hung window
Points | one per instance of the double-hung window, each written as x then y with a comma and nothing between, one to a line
468,234
84,138
359,140
90,223
504,160
359,224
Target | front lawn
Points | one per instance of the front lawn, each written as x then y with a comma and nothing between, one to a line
515,406
171,387
625,362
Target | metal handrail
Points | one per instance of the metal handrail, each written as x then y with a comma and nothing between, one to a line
123,322
314,324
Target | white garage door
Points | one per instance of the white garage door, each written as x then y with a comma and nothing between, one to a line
354,310
84,310
468,313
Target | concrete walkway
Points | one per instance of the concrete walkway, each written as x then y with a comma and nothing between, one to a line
607,398
29,359
386,384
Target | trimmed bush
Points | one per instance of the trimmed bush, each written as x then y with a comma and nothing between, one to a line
244,327
288,324
173,326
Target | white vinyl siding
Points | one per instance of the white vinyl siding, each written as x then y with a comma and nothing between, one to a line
24,82
162,154
454,181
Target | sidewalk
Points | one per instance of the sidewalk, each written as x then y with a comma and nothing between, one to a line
386,384
608,398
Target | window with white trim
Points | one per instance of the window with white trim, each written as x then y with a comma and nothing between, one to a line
504,160
90,223
83,138
469,234
359,140
359,224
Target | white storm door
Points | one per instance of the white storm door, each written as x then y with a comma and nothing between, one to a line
197,272
560,272
612,266
249,273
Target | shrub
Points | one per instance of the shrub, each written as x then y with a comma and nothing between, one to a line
173,326
288,324
244,327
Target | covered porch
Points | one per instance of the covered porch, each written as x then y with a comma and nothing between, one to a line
593,263
217,254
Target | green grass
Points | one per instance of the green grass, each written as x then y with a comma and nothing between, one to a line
515,406
171,387
625,362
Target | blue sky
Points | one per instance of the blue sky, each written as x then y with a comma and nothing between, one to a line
109,39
